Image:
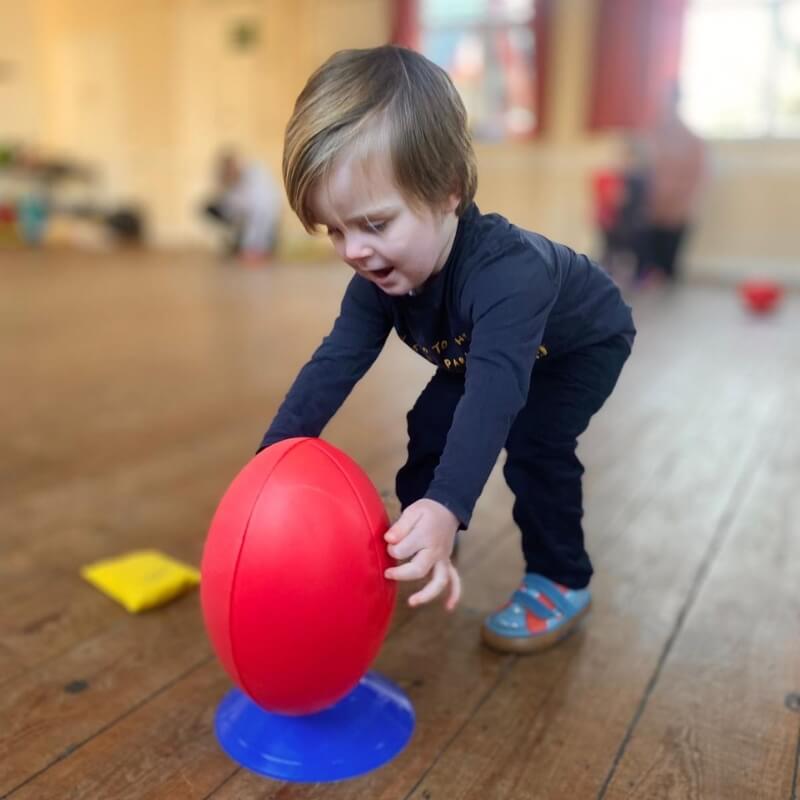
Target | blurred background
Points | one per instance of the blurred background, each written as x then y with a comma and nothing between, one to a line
113,114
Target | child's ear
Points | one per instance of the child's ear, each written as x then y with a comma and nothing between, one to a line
452,203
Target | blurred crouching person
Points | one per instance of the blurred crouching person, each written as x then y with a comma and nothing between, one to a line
620,197
247,203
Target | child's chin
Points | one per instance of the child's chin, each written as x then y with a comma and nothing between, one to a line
396,288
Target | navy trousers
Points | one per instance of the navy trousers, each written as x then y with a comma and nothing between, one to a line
542,468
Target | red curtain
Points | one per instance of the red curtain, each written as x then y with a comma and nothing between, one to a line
405,32
405,24
542,24
636,61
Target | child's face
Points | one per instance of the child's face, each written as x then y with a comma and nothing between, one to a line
377,233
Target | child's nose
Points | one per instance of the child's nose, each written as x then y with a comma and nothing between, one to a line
356,248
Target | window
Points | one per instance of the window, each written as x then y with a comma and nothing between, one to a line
740,69
488,47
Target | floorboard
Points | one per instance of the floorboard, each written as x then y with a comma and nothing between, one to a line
140,384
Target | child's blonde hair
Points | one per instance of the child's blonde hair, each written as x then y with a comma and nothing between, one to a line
383,99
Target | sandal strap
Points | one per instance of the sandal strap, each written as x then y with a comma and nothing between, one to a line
529,602
549,589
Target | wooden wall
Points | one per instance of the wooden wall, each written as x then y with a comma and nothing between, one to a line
150,95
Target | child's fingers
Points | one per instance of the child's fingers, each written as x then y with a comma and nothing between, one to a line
455,587
407,547
402,527
436,585
413,570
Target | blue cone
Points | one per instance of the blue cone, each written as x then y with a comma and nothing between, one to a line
363,731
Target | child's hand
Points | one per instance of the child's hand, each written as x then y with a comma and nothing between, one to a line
423,537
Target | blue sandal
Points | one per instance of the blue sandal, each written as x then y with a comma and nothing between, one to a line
539,614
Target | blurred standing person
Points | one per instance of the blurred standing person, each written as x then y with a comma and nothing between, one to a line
675,173
248,202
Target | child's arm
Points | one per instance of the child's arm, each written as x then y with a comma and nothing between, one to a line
509,307
357,337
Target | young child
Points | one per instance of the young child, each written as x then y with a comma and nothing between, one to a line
528,338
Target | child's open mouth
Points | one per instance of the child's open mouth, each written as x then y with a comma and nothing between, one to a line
382,273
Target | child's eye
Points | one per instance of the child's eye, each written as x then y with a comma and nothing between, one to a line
376,227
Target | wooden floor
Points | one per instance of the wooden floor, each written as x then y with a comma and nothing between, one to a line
133,389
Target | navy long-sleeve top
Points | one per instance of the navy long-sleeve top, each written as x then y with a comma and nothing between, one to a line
504,298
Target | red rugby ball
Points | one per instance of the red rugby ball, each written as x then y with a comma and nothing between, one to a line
293,591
